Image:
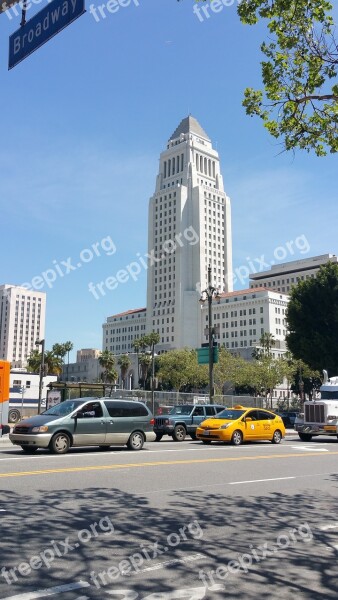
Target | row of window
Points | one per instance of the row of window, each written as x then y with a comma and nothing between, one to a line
205,165
173,165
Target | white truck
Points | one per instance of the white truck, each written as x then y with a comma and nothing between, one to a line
24,394
320,415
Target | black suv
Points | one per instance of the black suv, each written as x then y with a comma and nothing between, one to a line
183,420
289,417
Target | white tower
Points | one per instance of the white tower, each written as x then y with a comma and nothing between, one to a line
22,322
189,228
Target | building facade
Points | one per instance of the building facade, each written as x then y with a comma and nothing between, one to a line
240,318
120,331
283,276
85,369
22,323
189,228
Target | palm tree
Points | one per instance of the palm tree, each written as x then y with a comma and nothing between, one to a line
266,342
137,346
145,363
34,361
68,347
107,362
111,377
53,363
124,363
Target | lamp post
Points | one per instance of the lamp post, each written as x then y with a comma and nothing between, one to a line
207,295
42,369
301,386
152,379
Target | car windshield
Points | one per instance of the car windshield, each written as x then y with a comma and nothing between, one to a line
229,414
181,410
64,408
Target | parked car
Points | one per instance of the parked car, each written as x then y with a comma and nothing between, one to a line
288,417
4,429
240,424
183,420
86,422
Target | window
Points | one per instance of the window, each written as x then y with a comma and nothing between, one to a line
125,409
91,410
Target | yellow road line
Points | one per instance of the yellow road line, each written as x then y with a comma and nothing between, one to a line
161,464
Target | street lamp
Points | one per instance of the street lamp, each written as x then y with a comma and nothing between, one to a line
207,295
42,369
152,388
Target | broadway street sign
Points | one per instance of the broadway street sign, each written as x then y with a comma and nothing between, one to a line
42,27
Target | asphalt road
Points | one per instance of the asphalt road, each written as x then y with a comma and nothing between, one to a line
174,521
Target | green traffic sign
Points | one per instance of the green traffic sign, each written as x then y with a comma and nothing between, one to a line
203,355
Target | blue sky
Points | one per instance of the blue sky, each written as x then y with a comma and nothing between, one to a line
83,122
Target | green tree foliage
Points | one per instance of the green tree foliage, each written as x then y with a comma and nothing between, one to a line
107,362
267,372
312,318
52,363
230,371
299,102
310,379
145,365
144,359
179,368
300,99
124,363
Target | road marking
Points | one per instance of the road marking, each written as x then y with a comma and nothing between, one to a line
259,480
49,591
159,463
328,526
201,448
310,449
173,561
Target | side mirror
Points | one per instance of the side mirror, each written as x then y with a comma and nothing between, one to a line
247,419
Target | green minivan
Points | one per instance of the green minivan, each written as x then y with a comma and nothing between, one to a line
99,422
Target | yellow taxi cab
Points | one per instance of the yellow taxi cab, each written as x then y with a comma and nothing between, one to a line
240,424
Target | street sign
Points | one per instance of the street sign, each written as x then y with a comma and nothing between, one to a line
203,355
42,27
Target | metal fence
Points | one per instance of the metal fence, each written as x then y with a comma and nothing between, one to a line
70,391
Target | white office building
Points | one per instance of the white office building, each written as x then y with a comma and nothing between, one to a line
22,323
189,229
240,318
283,276
120,331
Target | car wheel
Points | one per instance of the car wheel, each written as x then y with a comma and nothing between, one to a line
14,416
277,437
159,436
179,433
206,441
305,437
237,438
60,443
136,441
29,449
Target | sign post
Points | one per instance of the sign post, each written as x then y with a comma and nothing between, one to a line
42,27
